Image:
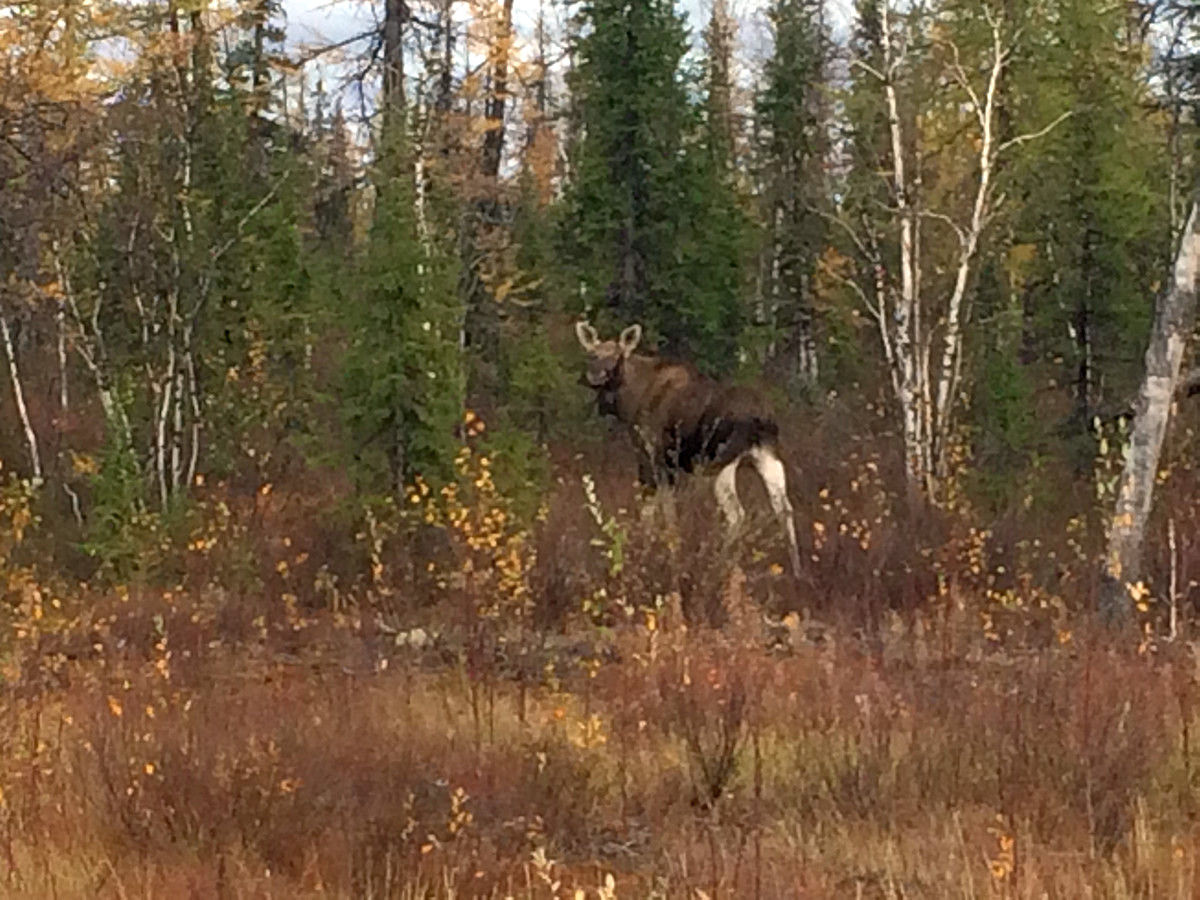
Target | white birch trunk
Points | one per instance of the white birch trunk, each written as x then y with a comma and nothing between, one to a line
905,308
88,342
776,278
952,337
923,343
809,361
1174,319
14,375
60,324
193,389
166,399
928,343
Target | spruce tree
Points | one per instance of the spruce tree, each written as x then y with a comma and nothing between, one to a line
792,153
720,129
639,227
403,381
1095,214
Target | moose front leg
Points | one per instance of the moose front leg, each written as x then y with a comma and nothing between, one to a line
656,478
650,469
646,475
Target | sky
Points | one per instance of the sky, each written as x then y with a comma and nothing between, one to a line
317,21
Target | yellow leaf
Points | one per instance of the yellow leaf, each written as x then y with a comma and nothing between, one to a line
503,289
82,464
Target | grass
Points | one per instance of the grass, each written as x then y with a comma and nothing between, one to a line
595,705
701,763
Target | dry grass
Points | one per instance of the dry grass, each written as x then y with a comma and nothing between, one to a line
599,705
692,760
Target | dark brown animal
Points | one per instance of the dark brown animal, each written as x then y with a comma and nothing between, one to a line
682,421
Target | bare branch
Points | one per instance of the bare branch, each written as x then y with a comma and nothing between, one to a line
317,52
1034,135
218,252
960,76
843,225
942,217
869,69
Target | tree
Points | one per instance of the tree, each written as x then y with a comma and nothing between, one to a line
1094,210
48,115
639,227
792,153
403,382
185,276
922,331
334,184
719,39
1174,320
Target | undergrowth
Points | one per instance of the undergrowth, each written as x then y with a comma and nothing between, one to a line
594,696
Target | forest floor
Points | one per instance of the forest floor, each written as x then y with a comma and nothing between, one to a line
322,757
595,706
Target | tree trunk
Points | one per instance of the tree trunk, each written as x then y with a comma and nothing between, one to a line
60,327
494,107
14,374
969,239
1173,321
395,16
905,342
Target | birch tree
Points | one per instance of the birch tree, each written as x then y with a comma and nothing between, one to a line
156,283
1174,319
18,390
921,322
49,92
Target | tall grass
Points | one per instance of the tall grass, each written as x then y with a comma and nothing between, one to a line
608,700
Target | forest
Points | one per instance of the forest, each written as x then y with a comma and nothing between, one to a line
322,575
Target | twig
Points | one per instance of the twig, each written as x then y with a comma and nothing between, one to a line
1033,136
218,252
942,217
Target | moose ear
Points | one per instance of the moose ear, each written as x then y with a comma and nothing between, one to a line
630,338
587,335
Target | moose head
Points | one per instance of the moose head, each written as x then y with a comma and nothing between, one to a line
605,359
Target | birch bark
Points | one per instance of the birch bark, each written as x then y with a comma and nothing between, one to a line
923,333
1174,318
14,375
904,341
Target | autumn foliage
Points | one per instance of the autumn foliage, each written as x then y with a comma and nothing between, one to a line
320,576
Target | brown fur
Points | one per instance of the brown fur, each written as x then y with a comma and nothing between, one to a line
679,419
682,421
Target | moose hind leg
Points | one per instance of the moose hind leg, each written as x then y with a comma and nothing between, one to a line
725,488
771,471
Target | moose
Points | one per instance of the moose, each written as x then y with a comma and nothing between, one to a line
682,421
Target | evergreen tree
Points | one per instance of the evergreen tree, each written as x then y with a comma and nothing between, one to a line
334,185
402,390
792,154
720,129
722,257
1096,212
638,227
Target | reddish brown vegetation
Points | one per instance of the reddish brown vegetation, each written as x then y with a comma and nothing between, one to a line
928,713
